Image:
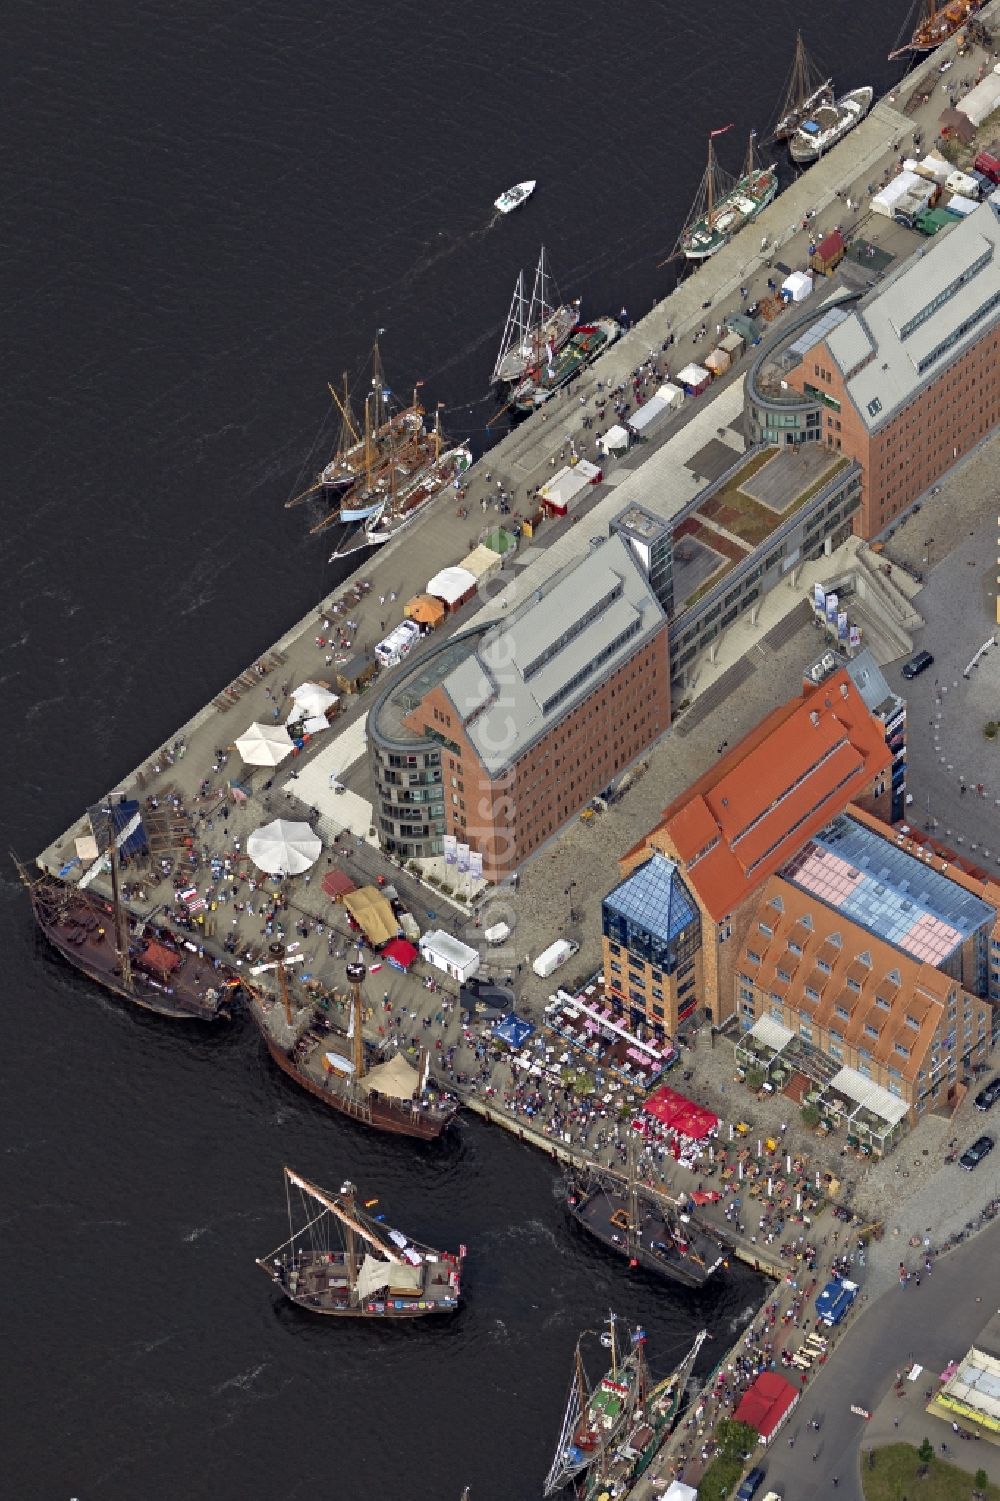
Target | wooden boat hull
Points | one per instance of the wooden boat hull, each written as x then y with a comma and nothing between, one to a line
592,1213
932,33
397,1119
98,962
381,1314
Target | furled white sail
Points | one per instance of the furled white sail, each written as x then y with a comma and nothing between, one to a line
376,1275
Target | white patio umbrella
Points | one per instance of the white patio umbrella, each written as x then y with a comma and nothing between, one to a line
311,699
264,744
283,848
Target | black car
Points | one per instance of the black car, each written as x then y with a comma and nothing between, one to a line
988,1095
918,664
973,1156
751,1484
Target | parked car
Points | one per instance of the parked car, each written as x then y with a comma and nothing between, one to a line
751,1484
918,664
973,1156
988,1095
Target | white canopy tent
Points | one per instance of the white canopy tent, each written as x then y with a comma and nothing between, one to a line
395,1078
284,848
264,744
310,701
376,1275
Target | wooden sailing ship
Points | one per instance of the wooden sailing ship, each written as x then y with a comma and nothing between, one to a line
936,24
341,1261
535,330
722,207
651,1422
595,1415
392,450
339,1068
807,89
144,964
649,1229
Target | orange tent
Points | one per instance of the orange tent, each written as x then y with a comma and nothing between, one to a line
425,610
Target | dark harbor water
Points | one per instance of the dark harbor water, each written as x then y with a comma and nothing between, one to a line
208,210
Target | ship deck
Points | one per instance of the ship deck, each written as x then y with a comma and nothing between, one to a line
318,1281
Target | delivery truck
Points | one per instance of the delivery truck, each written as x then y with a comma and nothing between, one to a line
550,959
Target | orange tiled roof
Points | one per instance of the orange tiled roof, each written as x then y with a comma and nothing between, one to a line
803,763
920,993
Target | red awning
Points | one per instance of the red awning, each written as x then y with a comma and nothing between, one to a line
337,883
159,959
400,953
767,1403
831,246
670,1108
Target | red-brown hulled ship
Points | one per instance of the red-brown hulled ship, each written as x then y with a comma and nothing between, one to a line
342,1071
371,1271
142,964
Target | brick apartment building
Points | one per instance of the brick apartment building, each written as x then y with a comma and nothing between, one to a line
500,735
723,839
901,378
868,963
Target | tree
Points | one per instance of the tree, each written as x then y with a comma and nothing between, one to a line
926,1452
982,1480
810,1116
735,1440
755,1080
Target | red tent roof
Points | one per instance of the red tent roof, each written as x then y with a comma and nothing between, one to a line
766,1404
157,957
400,952
832,245
670,1108
337,883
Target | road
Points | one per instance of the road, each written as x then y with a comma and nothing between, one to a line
930,1324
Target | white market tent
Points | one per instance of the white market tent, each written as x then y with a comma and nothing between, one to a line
615,440
264,744
284,848
648,414
311,700
673,395
482,561
451,584
566,484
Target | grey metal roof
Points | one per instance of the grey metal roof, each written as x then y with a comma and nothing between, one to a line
529,670
823,326
867,677
932,308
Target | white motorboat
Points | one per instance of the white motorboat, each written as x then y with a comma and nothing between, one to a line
829,124
514,197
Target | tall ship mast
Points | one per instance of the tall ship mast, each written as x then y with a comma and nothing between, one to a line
392,446
341,1261
595,1416
653,1419
405,501
141,962
647,1228
339,1068
535,330
936,24
722,207
807,89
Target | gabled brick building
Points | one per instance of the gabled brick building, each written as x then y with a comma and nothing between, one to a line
729,833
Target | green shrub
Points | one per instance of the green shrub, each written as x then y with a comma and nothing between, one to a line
810,1116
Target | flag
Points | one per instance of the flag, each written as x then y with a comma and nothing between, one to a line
639,1336
463,1250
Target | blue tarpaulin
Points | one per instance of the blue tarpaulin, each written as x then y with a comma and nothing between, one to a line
513,1029
121,814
